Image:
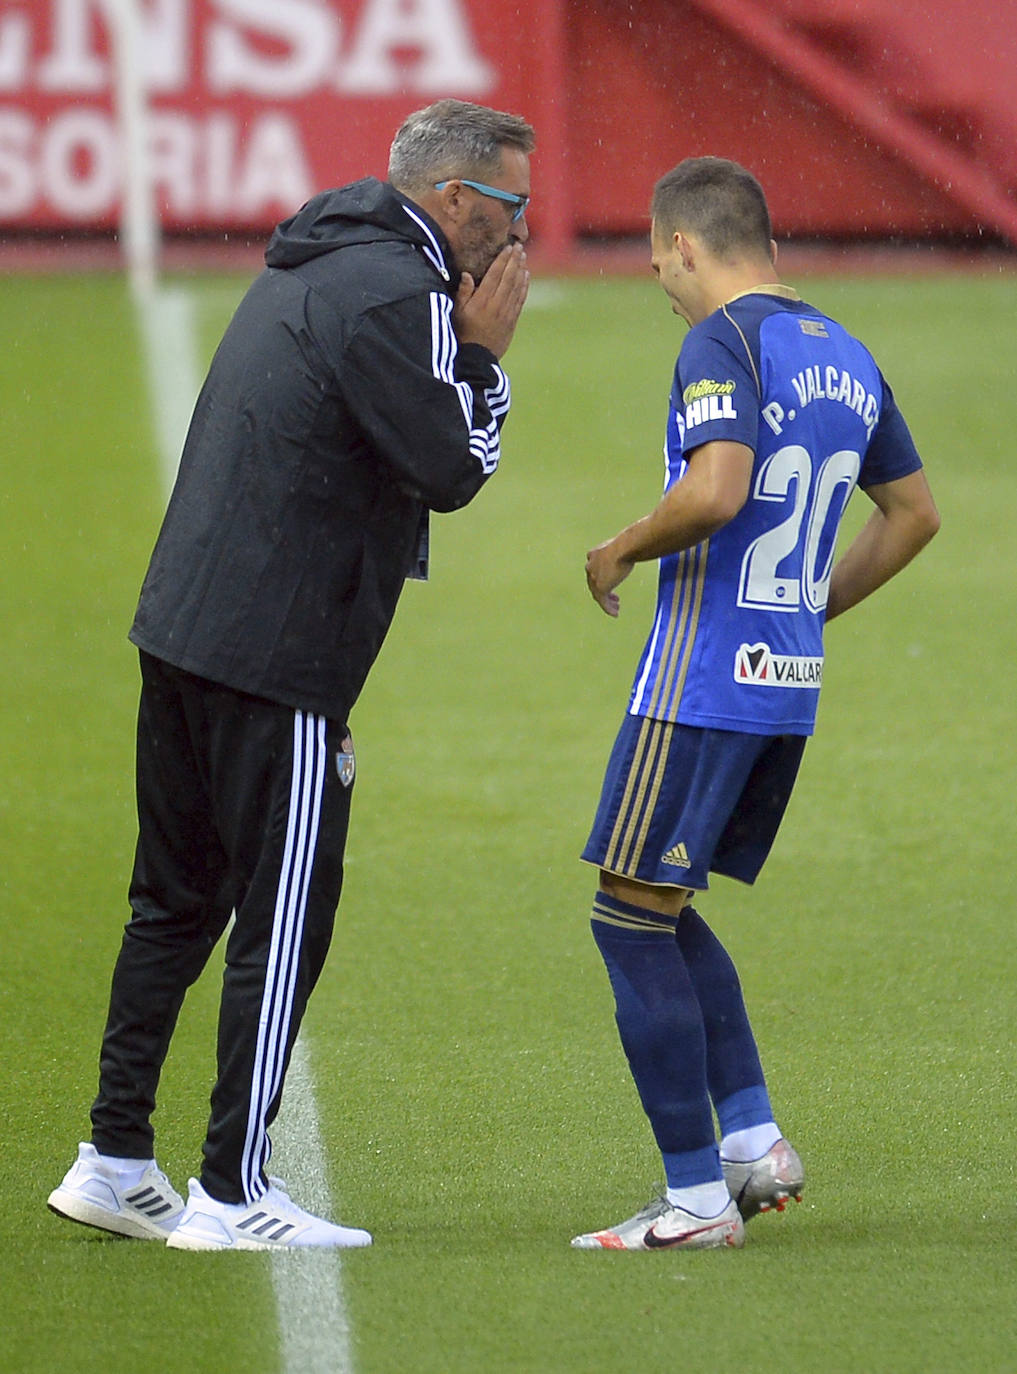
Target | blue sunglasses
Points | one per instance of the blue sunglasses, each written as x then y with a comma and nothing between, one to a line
520,202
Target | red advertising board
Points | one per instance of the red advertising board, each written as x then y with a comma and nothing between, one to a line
870,122
254,104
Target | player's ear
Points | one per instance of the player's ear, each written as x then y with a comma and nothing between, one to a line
773,251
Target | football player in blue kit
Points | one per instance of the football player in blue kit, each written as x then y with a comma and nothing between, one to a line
776,415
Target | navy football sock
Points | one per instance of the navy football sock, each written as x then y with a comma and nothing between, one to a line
734,1072
661,1031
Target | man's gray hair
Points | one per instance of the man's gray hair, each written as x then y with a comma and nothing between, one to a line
453,138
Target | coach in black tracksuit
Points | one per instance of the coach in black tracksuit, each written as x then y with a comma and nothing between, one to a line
356,389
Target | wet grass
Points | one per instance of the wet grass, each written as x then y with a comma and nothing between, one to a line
474,1102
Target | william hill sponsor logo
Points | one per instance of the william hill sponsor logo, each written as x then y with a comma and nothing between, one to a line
757,665
708,400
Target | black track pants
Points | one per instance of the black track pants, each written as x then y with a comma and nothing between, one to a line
243,805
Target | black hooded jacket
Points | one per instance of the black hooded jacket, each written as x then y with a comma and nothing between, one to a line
338,409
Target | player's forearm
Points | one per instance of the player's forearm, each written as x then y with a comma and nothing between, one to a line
883,546
682,520
650,538
711,492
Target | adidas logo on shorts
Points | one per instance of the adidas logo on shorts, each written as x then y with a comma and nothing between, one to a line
677,857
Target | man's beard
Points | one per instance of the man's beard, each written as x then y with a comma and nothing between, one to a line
479,246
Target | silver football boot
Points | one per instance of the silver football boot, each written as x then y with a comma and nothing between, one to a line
661,1226
765,1184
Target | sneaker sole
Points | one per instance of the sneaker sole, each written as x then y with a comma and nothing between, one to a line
74,1208
185,1242
176,1242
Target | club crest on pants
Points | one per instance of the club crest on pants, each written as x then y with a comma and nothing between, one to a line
346,762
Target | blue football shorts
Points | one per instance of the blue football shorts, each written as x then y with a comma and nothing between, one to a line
680,802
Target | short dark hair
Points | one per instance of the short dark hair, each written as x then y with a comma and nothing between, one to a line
718,201
454,138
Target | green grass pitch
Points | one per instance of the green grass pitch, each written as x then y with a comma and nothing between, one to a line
473,1097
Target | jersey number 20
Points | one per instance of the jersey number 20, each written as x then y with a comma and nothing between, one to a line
815,515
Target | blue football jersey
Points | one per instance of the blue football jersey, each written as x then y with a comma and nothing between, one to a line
737,640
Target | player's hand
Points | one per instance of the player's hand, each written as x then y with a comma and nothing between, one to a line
604,571
487,313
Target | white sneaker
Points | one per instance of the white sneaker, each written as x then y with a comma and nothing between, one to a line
94,1194
661,1226
274,1222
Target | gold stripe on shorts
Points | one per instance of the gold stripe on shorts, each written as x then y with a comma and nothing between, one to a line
642,790
682,629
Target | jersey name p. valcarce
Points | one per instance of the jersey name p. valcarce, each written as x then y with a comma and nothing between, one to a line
737,640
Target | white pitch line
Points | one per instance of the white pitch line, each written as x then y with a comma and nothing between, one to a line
314,1327
166,321
314,1331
